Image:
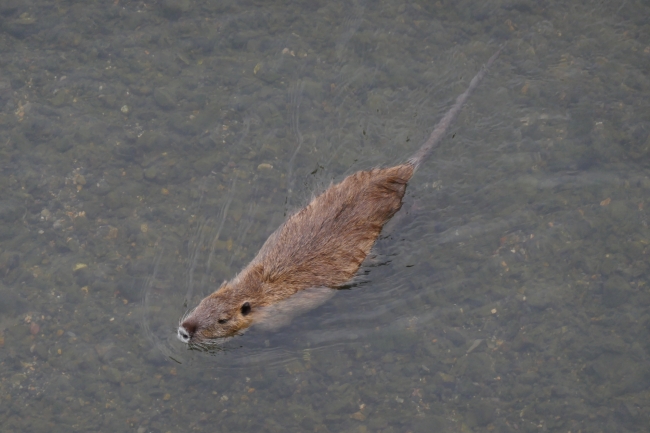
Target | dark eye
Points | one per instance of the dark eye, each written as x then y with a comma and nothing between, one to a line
246,308
222,321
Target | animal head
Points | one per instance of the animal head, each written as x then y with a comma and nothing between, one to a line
220,315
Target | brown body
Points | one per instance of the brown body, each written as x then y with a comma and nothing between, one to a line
317,249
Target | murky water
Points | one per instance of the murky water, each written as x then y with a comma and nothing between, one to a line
148,149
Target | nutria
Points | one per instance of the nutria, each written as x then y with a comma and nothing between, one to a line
317,249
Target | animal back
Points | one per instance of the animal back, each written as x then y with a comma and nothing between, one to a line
325,243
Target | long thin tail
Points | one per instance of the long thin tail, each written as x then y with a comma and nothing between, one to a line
442,126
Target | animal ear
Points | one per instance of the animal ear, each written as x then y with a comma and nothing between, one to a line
246,308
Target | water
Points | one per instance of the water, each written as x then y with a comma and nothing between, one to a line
148,150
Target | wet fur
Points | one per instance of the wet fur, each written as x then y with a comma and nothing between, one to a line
322,245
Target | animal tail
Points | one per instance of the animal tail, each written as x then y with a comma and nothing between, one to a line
442,126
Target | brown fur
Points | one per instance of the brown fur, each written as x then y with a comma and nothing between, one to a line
321,246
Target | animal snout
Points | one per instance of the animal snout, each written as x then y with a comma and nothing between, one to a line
186,331
183,335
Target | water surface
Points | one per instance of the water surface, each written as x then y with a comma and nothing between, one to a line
148,149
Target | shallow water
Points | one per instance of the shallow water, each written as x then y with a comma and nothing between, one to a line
148,150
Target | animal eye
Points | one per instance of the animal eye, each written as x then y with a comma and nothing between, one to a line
246,308
222,321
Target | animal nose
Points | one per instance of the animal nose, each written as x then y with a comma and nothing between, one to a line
186,331
183,335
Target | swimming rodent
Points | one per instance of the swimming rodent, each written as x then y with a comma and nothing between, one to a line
316,250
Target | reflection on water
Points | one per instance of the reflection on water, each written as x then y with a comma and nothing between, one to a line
148,150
